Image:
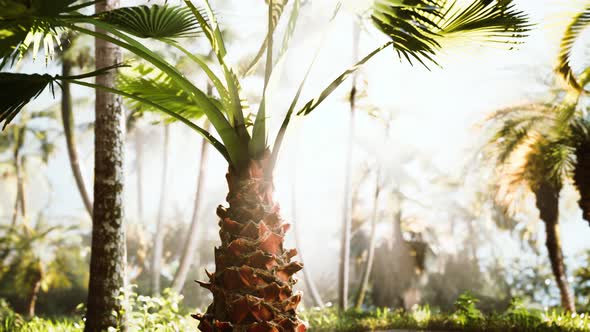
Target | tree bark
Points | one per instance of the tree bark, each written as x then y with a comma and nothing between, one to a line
67,117
190,245
582,179
371,256
159,235
35,288
108,251
253,285
547,201
343,275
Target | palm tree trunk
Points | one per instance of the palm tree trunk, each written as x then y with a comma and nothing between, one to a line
582,179
547,200
35,288
159,235
67,117
108,250
343,275
253,285
371,256
190,244
19,203
309,283
139,165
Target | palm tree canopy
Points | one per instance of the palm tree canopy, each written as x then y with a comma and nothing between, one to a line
417,29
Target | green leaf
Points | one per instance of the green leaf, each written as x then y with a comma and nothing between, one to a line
154,21
154,85
571,35
312,104
418,27
17,90
33,23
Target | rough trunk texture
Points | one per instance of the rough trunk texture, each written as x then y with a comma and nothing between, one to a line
582,179
159,235
108,251
253,283
190,244
547,200
67,117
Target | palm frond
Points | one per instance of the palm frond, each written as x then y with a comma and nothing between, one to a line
29,24
161,90
276,12
570,36
418,27
17,90
408,23
154,21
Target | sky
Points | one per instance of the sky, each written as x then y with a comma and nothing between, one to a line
434,116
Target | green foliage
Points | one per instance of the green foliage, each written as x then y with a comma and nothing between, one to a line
466,318
572,33
418,27
466,312
582,284
159,314
154,21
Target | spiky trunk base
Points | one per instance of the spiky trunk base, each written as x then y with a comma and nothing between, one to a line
253,283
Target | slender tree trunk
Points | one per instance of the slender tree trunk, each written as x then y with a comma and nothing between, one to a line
547,200
309,283
253,285
190,245
67,117
19,202
108,251
159,235
343,275
139,165
371,256
582,179
35,288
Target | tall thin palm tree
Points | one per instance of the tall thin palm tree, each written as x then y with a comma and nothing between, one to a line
108,258
67,116
190,244
252,284
158,243
523,147
343,275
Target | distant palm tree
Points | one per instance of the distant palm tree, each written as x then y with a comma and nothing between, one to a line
532,150
252,284
25,257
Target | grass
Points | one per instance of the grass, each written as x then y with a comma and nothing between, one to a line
164,315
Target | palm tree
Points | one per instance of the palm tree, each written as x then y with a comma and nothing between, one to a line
69,60
529,152
15,140
26,253
108,258
190,244
156,267
343,280
252,284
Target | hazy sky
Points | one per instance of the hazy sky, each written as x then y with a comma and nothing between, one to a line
434,113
